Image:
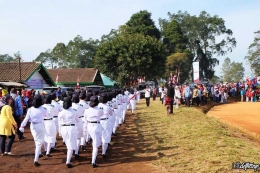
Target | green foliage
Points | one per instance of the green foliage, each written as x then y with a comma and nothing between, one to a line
173,36
78,53
253,56
180,60
142,23
202,32
6,58
128,54
232,71
47,59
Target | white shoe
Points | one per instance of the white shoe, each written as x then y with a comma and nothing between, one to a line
8,153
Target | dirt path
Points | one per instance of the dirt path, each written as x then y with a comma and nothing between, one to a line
123,155
242,115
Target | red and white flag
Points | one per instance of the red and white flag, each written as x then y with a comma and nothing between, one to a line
57,79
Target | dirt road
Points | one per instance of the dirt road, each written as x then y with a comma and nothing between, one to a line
122,155
242,115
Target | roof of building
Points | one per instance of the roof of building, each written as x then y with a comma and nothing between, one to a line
65,75
10,71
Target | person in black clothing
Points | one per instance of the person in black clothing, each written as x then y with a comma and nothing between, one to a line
171,93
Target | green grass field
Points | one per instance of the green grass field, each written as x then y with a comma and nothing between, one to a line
190,141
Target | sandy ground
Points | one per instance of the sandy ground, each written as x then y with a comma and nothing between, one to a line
242,115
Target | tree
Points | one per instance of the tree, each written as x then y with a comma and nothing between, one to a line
226,67
237,71
130,55
6,58
178,61
173,36
60,53
81,52
47,59
253,56
142,23
232,71
202,33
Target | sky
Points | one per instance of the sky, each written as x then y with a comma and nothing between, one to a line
32,26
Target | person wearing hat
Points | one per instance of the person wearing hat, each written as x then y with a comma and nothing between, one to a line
93,115
67,119
105,122
7,125
36,115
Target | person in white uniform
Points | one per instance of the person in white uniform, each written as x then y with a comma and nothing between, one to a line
125,102
67,129
105,122
132,101
116,113
86,134
79,125
177,95
94,128
49,124
85,105
58,108
36,115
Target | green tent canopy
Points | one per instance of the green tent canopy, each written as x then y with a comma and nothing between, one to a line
108,83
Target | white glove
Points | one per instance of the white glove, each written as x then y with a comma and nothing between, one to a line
21,129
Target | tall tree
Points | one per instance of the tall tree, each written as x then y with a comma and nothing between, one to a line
237,71
253,56
48,59
178,61
60,53
225,70
130,55
202,32
232,71
142,23
81,52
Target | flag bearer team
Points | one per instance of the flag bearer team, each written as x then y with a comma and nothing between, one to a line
79,117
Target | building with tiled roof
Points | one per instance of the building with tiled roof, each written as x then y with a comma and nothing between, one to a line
68,77
32,73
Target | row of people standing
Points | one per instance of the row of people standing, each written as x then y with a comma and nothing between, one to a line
76,118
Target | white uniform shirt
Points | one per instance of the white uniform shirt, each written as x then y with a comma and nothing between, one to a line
107,110
147,93
114,103
84,104
50,110
79,109
119,98
68,116
61,103
57,107
35,115
93,114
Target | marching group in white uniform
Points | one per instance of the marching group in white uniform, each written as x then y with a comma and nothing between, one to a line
77,119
